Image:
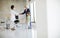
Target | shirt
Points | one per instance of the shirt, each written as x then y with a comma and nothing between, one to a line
13,13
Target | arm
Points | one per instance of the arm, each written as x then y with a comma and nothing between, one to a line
23,12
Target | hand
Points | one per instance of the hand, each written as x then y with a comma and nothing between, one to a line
28,13
20,13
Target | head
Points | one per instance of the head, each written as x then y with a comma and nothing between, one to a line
12,7
25,6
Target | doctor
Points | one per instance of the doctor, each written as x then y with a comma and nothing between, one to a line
14,18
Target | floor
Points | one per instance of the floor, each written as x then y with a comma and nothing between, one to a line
21,32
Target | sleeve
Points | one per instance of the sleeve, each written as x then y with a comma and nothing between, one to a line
23,12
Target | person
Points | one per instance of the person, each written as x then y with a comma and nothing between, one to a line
27,12
14,17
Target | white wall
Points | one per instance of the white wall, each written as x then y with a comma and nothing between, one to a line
6,4
53,18
41,19
52,21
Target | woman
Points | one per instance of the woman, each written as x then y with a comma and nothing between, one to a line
27,12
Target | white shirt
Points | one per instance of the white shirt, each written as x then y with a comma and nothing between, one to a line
13,13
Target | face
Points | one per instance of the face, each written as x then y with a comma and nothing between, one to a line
25,7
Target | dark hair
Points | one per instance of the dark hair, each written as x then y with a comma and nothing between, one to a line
12,6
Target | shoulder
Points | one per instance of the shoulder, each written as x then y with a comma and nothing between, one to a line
28,9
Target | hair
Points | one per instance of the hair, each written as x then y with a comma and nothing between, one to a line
12,6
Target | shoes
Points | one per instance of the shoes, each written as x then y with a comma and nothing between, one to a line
29,27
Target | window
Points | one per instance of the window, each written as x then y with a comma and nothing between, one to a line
33,11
